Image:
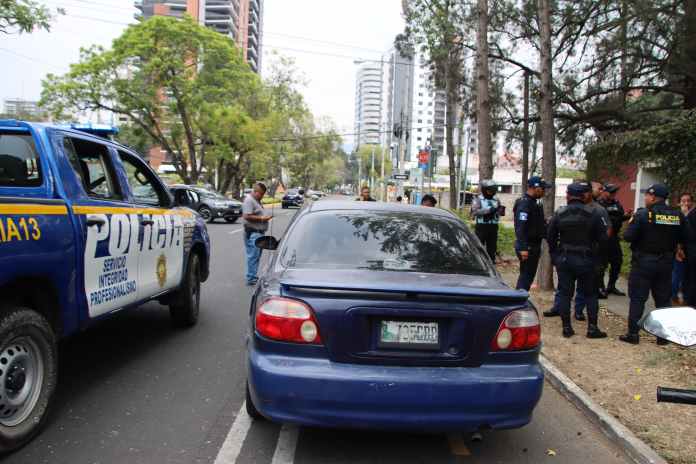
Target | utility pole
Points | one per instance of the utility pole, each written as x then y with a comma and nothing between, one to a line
384,183
372,170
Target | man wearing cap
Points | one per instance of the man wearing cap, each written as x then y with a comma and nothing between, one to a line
574,231
617,216
655,233
530,230
486,211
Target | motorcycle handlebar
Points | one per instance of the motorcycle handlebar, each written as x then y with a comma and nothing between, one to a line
674,395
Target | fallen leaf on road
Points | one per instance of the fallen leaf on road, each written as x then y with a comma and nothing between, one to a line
550,452
638,370
637,397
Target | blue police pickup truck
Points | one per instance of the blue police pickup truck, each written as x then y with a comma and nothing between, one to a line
87,229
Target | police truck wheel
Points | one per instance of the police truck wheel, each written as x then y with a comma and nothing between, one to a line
184,310
28,374
207,214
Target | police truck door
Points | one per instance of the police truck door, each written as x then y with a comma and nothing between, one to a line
109,225
162,242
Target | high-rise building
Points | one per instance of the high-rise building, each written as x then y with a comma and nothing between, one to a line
368,103
397,105
242,20
428,114
19,108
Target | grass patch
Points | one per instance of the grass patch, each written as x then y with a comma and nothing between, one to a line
269,201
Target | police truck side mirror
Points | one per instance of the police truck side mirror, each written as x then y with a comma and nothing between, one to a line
266,242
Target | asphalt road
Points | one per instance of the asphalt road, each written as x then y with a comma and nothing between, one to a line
134,390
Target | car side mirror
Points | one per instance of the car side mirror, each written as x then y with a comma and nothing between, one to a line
267,242
678,325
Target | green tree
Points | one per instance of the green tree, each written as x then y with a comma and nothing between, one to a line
169,76
17,16
440,29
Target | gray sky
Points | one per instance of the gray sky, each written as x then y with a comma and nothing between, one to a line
296,28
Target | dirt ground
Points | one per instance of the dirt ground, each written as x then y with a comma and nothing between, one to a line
623,378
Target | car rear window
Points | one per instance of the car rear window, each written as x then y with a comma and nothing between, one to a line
383,241
19,161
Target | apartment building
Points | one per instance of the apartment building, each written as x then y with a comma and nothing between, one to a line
242,20
368,103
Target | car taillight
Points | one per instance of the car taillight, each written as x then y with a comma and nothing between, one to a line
287,320
520,330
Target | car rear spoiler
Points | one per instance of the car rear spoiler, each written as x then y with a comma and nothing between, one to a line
349,290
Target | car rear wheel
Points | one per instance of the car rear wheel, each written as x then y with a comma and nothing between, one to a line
231,220
250,408
207,214
186,306
28,374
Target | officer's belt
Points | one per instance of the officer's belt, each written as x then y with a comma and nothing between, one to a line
663,254
576,249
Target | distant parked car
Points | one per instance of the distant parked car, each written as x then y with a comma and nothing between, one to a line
293,197
210,205
315,194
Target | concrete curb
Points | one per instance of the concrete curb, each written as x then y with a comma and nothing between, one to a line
635,448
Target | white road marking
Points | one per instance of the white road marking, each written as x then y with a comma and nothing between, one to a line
235,231
286,446
235,438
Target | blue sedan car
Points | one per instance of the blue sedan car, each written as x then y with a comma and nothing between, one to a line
377,315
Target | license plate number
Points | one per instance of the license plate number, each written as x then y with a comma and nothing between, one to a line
409,334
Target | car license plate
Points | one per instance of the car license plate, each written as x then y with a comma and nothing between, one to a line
409,334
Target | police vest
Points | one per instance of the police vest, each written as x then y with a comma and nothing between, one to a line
486,203
575,227
616,214
662,231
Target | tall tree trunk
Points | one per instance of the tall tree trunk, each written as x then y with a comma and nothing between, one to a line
483,105
525,135
451,90
688,52
548,131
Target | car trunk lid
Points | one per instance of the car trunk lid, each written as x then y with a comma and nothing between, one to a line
359,310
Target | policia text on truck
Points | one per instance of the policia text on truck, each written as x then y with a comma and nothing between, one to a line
86,229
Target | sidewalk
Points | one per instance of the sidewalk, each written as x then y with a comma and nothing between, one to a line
623,378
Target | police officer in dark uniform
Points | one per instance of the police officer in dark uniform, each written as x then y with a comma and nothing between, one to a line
530,230
655,233
617,216
690,277
573,235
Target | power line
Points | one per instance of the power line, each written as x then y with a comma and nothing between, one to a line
12,52
349,134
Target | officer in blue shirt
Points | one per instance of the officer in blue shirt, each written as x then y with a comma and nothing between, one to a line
530,230
574,231
655,233
486,210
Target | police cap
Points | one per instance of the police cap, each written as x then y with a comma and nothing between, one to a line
537,181
659,190
611,188
579,188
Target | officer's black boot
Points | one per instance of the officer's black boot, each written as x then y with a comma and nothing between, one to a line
594,332
567,328
633,339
